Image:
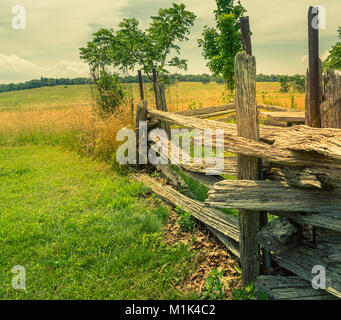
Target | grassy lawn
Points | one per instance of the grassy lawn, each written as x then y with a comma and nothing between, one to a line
82,231
58,97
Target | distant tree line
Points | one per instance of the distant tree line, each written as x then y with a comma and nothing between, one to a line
296,82
267,78
43,82
172,78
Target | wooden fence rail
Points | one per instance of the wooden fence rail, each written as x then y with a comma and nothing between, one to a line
303,165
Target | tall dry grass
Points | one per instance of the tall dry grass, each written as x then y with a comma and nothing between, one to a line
74,123
78,128
194,95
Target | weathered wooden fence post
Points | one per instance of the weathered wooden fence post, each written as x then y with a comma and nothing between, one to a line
313,100
246,35
141,85
248,167
163,105
314,74
160,100
156,91
331,106
141,135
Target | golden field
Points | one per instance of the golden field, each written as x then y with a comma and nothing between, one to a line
65,115
185,95
181,96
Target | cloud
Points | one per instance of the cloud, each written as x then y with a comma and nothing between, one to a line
18,67
56,29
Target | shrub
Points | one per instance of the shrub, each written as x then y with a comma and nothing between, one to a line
109,93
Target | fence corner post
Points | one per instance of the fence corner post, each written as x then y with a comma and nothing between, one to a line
248,167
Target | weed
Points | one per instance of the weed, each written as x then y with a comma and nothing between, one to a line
249,293
186,221
293,104
214,288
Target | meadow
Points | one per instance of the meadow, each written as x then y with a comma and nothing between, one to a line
64,115
180,96
81,229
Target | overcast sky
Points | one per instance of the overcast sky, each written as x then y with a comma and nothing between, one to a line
56,29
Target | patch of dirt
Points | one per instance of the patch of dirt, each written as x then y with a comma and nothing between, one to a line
211,254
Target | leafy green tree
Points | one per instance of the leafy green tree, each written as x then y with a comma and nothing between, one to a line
221,44
285,83
334,59
205,78
130,47
298,82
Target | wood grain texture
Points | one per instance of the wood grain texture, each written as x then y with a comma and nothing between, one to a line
331,106
300,261
295,146
297,117
290,288
273,196
247,167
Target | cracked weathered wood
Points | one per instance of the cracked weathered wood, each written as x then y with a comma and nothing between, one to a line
275,123
268,134
230,166
216,114
290,288
294,146
329,221
141,116
277,234
207,110
308,206
297,117
185,161
307,177
229,107
300,261
331,106
216,219
273,196
230,244
275,108
247,167
174,178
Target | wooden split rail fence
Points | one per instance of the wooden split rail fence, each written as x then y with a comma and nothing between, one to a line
302,186
290,171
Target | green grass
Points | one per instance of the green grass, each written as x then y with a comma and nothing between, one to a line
82,231
46,97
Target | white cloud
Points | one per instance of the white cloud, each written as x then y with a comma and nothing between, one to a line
57,28
15,64
19,67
